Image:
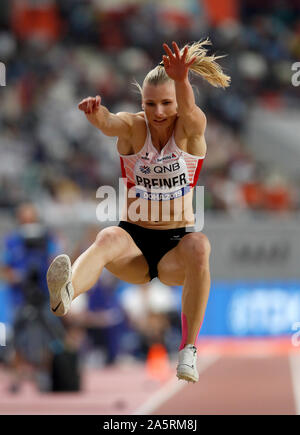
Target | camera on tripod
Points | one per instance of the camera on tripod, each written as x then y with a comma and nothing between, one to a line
35,238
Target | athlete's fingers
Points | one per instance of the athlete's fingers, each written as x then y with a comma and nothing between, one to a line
168,51
166,61
176,50
90,106
183,57
191,61
82,105
98,101
87,107
94,104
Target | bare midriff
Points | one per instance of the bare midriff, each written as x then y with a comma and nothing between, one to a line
167,214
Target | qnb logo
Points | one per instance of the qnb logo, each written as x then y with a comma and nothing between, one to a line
261,253
172,167
2,334
2,74
296,76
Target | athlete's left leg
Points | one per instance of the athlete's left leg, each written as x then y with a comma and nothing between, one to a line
188,264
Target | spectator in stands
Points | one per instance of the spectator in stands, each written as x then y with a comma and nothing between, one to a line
149,309
28,251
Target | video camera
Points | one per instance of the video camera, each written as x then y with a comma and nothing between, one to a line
35,238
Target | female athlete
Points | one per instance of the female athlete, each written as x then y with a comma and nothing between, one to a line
161,149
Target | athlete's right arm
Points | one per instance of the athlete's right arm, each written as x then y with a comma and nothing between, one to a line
110,124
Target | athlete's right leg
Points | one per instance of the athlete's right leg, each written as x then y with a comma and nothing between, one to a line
114,249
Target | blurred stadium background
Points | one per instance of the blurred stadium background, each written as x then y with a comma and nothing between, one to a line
120,341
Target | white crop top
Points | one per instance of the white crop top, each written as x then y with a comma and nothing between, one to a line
164,175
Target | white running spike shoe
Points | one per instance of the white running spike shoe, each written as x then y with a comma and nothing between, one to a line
187,364
59,285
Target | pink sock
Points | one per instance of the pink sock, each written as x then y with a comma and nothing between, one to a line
185,331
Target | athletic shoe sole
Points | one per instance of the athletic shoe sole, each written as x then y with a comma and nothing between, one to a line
186,376
59,285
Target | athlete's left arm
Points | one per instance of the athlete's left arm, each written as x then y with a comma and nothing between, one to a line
192,117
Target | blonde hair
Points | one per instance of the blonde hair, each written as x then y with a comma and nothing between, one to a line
205,66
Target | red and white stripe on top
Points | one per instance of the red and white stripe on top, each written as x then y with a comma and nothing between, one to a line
164,175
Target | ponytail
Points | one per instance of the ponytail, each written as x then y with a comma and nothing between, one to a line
206,66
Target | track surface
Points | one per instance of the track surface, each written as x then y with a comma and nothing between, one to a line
236,377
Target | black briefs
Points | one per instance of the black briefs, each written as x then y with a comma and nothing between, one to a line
154,244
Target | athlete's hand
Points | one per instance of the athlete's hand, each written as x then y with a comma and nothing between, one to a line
175,63
90,105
